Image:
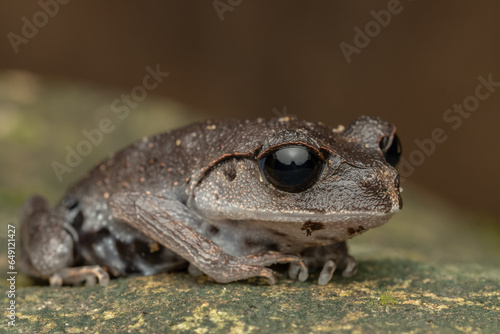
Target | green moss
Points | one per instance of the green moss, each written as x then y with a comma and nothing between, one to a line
387,298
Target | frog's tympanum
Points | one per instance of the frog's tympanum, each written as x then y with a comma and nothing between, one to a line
227,198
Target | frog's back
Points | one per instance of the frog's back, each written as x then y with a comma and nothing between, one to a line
166,163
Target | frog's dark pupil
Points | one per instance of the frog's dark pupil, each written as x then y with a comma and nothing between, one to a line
291,169
393,152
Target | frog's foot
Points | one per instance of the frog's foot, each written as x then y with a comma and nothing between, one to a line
236,268
329,258
46,240
266,259
88,275
169,222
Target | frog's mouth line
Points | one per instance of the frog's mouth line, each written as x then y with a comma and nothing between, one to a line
302,217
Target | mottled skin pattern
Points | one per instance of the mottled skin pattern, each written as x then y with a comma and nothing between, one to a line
196,195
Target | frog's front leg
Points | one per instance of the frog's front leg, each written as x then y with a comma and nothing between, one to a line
168,223
47,242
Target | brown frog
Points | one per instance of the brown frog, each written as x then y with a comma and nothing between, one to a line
226,198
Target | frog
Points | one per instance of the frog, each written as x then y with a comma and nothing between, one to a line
230,199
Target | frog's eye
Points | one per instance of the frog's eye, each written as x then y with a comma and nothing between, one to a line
291,169
391,147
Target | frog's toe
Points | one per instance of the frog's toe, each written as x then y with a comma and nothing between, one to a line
298,271
327,272
56,280
90,281
351,267
293,270
271,279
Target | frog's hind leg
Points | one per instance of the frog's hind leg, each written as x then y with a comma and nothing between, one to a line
168,222
47,243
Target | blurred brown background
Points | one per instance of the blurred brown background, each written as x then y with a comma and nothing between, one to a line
252,58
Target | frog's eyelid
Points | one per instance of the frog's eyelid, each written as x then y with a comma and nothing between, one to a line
273,148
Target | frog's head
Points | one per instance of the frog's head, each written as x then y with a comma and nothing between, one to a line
342,181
